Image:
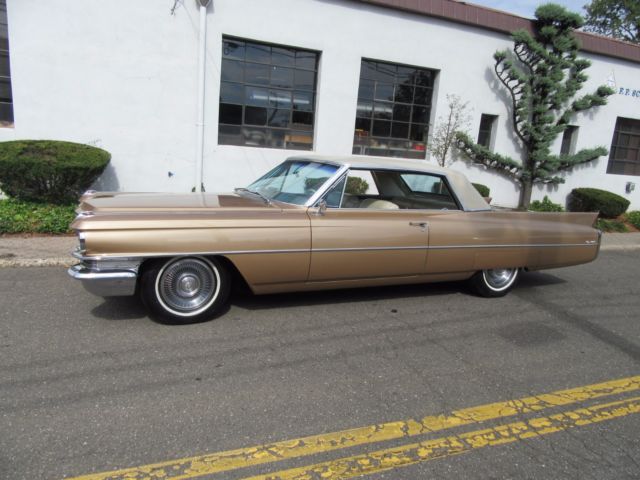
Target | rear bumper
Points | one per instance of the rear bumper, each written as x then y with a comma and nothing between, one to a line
111,277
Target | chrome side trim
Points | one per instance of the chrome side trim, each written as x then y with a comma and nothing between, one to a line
137,258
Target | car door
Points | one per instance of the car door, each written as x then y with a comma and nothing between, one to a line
363,234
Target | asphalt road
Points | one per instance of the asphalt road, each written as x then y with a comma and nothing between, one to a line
88,385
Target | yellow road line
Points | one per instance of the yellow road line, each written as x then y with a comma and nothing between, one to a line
406,455
207,464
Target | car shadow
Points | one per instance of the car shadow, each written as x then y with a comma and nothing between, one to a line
131,308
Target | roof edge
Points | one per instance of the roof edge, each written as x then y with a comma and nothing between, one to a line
505,22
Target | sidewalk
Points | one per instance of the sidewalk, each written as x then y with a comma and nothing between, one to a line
19,251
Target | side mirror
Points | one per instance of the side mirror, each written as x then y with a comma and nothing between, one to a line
322,208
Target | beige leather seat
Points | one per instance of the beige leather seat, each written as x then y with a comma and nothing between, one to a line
378,204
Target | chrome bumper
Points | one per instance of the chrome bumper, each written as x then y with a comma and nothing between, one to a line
111,277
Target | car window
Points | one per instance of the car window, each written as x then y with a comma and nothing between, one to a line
391,190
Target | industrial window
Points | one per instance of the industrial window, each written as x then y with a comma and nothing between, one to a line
485,133
6,97
394,107
624,157
267,95
569,140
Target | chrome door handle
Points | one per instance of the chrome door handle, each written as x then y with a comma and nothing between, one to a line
423,225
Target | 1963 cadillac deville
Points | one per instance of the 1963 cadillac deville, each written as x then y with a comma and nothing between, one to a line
316,223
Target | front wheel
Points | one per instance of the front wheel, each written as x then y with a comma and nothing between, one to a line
494,282
185,289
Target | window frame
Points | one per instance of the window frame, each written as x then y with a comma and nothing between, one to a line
388,124
8,122
285,127
490,132
616,145
569,140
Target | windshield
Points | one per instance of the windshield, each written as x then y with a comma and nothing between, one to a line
293,181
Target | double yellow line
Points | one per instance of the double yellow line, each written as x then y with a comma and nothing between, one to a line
347,467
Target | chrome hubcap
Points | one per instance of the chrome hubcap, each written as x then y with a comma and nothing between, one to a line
187,286
500,278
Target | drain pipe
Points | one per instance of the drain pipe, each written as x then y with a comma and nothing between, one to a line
202,59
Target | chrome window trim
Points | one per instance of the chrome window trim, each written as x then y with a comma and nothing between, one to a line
328,184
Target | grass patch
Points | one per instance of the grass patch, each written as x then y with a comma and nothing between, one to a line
27,217
634,218
608,225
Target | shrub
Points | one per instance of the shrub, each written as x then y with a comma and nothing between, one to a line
482,189
545,205
356,186
608,225
49,171
634,218
607,203
27,217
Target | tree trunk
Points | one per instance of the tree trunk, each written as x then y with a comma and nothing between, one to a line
526,188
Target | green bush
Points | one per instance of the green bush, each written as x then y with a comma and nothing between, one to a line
27,217
356,186
49,171
634,218
545,205
607,203
482,189
608,225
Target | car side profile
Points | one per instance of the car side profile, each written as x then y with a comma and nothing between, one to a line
315,223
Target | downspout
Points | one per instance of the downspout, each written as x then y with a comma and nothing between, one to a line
202,51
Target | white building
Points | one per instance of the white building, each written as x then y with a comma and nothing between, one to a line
282,76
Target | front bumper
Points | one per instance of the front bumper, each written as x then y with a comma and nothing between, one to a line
112,277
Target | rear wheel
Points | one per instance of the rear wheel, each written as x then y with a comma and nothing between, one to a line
494,282
185,289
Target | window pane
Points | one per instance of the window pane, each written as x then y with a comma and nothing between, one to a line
422,96
228,135
384,91
258,53
4,64
381,128
368,70
231,114
400,130
232,70
280,98
257,96
257,74
305,80
364,109
303,101
420,115
302,119
298,140
366,88
363,125
255,115
283,56
306,60
231,93
404,93
282,77
233,49
383,111
402,112
417,131
279,117
5,90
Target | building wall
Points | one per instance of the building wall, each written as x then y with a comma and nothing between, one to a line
122,75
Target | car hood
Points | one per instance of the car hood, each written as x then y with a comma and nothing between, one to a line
117,202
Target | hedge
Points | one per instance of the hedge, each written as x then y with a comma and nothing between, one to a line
27,217
48,171
545,205
607,203
482,189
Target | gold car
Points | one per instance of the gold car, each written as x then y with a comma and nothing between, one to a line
316,223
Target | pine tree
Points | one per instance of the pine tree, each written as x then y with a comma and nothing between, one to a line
542,76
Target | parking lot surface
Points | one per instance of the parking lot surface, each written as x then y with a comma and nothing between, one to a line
400,383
